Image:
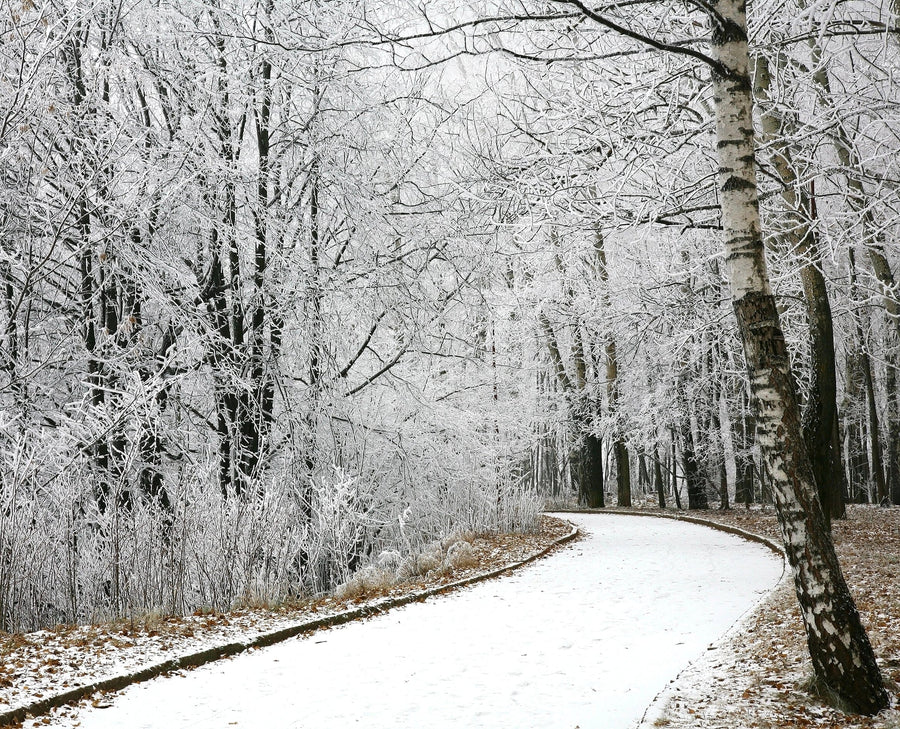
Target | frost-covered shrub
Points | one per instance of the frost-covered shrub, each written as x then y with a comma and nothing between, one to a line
381,515
366,581
460,556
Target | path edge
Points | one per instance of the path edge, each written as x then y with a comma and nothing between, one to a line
656,708
208,655
727,528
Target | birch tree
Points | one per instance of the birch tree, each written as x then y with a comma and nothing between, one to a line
839,647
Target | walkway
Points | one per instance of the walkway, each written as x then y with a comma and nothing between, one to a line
584,638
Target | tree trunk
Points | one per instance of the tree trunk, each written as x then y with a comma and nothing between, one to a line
837,468
839,647
696,488
856,394
643,473
716,433
592,473
623,474
658,480
675,491
743,457
820,413
620,449
865,364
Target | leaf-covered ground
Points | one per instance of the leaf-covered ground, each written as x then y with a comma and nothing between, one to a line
756,677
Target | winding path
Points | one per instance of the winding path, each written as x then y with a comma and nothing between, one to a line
584,638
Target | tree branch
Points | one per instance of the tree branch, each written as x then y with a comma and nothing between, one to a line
717,67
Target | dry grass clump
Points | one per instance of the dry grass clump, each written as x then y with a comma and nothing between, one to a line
369,580
429,561
461,556
440,558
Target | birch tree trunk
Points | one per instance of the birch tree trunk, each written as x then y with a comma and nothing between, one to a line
842,656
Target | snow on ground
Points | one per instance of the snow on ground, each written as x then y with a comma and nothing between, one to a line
584,638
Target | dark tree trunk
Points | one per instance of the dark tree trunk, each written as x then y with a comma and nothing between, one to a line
696,488
865,365
716,432
644,481
837,465
854,431
623,474
675,492
591,480
743,457
659,482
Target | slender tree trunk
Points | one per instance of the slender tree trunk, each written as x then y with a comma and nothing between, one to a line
690,466
315,295
842,656
644,480
592,455
865,365
716,433
837,466
820,413
620,449
257,415
225,303
659,482
875,435
675,492
696,488
856,394
743,457
90,304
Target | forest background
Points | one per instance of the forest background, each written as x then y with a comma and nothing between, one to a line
291,288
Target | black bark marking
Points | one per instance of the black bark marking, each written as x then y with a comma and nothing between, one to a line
738,183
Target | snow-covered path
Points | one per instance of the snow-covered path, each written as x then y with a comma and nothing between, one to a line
584,638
